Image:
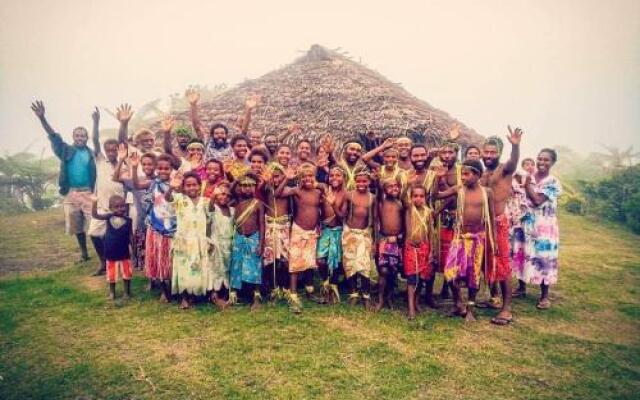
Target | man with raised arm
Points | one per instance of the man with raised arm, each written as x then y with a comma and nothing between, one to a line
498,177
77,176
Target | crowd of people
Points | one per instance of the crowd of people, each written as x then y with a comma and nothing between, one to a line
239,218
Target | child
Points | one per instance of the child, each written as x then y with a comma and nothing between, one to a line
220,239
358,210
276,239
417,249
161,222
117,240
390,227
329,254
215,175
248,241
475,226
138,212
304,229
190,245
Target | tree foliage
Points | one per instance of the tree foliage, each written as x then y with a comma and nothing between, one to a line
26,178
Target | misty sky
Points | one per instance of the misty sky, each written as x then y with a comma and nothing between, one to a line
568,72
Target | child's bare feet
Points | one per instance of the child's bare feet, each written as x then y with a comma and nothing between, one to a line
378,306
111,296
469,317
184,305
163,298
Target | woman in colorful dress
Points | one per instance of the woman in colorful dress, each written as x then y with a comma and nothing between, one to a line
540,226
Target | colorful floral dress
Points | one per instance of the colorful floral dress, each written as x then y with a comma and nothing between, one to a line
221,240
190,246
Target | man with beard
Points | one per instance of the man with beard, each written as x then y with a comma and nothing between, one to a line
179,146
303,152
403,145
422,176
271,142
77,176
216,144
351,153
451,175
498,177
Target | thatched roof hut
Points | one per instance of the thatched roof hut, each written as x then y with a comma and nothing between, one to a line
325,91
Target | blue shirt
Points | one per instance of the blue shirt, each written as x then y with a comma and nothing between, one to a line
78,169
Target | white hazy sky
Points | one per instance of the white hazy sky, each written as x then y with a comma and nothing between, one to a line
568,72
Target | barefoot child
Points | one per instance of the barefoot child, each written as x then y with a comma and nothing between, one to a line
276,236
220,240
417,247
161,223
246,269
329,253
358,211
307,198
390,228
190,246
117,239
474,236
215,175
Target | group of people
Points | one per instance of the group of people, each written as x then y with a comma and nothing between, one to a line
241,217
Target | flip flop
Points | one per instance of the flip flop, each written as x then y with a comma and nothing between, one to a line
488,304
543,304
501,321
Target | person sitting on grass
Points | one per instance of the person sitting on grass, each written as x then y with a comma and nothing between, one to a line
190,245
117,241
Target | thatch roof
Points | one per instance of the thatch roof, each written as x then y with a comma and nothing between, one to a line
326,91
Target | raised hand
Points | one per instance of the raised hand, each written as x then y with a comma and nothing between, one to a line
192,95
176,181
124,113
252,102
134,159
38,108
167,123
322,162
122,151
290,173
515,135
95,115
389,142
454,131
441,171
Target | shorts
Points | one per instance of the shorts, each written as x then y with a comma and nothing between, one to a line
77,211
115,268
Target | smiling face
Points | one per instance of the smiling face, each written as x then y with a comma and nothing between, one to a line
404,148
191,187
336,178
362,183
164,170
277,177
247,189
490,156
284,156
255,138
195,153
222,196
473,154
240,148
148,165
307,179
219,137
80,137
214,171
303,151
118,206
145,141
182,140
544,162
271,143
392,189
529,166
419,158
390,159
352,153
111,151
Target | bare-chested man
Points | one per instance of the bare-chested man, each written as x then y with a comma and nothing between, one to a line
308,198
498,177
403,145
351,153
474,236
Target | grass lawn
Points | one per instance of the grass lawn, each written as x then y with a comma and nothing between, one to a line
61,338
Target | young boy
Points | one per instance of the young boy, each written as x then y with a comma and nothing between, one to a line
161,223
390,228
417,248
474,235
307,198
276,238
117,239
329,253
246,271
358,212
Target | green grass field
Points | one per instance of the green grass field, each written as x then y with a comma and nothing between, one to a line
61,338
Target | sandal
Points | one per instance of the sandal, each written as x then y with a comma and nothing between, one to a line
543,304
501,321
